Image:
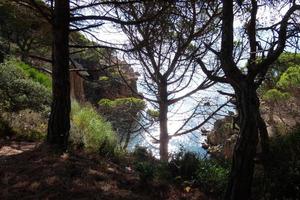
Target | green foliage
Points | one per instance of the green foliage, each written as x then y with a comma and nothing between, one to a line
18,92
212,176
122,113
91,131
276,95
282,180
142,154
146,171
130,104
184,165
20,26
103,78
153,114
290,78
34,74
144,164
24,125
285,61
209,174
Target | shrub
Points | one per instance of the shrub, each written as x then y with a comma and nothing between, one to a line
91,131
212,176
209,174
146,171
283,175
184,165
275,95
142,154
25,125
290,78
18,92
34,74
122,113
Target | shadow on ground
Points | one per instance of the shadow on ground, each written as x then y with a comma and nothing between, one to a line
33,171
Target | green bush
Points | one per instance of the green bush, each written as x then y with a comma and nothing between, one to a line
276,95
122,113
184,165
146,171
26,125
91,131
290,78
18,92
209,174
279,67
212,176
34,74
282,180
142,154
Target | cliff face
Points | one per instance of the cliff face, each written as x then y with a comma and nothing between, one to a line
86,83
280,117
77,86
222,138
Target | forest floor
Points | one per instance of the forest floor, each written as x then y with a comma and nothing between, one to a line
31,170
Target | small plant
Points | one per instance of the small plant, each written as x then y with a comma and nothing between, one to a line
184,165
141,154
212,176
146,171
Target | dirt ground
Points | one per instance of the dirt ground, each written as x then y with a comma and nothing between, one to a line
33,171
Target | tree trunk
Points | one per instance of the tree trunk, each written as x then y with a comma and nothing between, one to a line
163,123
128,135
264,138
240,181
59,121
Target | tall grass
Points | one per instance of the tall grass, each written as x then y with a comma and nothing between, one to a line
91,131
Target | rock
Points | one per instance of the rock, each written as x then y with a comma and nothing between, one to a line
221,140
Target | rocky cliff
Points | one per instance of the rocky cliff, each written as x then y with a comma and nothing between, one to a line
280,117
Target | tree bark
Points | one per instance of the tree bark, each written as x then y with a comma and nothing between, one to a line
163,123
240,180
264,138
59,121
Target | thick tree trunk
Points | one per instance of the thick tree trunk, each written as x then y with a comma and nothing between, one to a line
240,181
59,121
163,124
264,138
